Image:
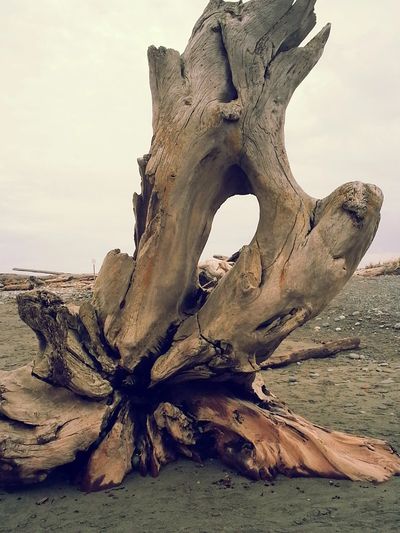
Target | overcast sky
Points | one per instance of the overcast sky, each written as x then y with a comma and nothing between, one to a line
75,114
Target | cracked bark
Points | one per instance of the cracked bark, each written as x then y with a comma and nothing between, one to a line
165,360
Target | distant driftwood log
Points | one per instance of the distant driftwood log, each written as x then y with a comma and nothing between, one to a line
159,365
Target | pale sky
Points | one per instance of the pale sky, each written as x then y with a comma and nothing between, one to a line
75,114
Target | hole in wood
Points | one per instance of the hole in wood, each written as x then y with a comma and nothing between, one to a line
233,226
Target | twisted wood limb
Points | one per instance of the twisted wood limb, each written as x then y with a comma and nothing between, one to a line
294,351
266,439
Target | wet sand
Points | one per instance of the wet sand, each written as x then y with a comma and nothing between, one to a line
358,395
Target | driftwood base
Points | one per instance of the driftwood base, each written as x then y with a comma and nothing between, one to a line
42,427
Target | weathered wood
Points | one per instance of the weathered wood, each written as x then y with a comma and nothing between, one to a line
26,286
16,282
391,268
40,271
111,287
294,351
262,442
42,427
112,460
63,358
229,108
212,271
61,279
169,352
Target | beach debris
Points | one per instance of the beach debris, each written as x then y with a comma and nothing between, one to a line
16,282
291,351
42,501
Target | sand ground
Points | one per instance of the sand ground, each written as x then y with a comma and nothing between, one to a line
359,395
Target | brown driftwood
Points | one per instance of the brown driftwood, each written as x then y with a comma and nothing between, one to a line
25,286
59,279
112,460
42,427
290,351
263,439
67,355
10,282
165,360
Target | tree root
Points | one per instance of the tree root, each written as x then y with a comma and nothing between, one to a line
290,352
43,427
263,440
260,440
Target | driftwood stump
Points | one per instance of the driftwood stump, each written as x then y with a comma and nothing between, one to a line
165,360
